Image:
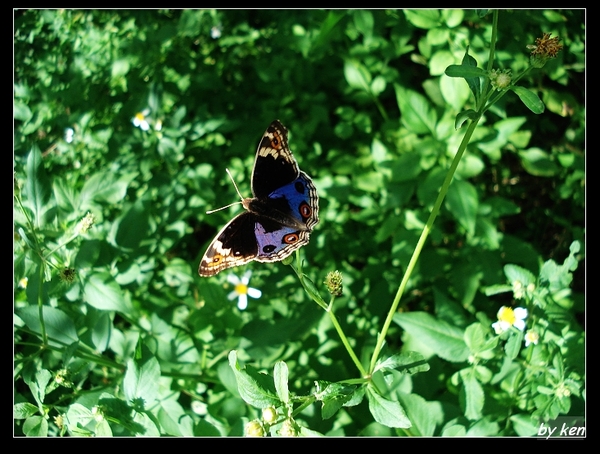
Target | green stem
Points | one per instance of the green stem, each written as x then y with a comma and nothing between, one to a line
64,243
421,242
344,339
311,290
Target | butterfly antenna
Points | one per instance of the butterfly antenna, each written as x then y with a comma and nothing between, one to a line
234,185
231,204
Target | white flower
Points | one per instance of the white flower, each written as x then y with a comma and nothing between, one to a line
215,32
241,290
23,282
69,133
508,317
531,337
140,120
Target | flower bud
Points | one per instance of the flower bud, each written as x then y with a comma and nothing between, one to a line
255,429
269,415
333,282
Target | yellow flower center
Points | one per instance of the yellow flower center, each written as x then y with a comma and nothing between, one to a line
506,314
241,289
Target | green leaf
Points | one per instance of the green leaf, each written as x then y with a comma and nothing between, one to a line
21,111
357,75
466,71
463,202
387,412
416,112
60,328
102,292
333,396
280,377
483,428
79,420
36,426
472,395
424,415
514,343
38,187
130,229
455,92
253,387
443,339
525,425
559,277
120,68
38,386
473,81
423,18
105,187
406,167
363,21
406,362
369,182
475,337
516,273
312,290
326,31
170,415
529,98
141,382
539,163
24,410
102,331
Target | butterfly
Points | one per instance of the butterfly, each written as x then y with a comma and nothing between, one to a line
279,217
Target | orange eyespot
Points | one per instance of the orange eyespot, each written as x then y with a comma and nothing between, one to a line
276,142
216,260
291,238
305,210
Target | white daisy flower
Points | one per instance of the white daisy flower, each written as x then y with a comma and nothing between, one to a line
531,337
215,32
141,120
69,134
241,290
508,317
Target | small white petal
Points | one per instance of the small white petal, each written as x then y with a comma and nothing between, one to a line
232,295
254,292
233,279
246,277
242,302
519,324
520,313
500,326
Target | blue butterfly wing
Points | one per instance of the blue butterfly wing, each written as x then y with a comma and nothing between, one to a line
298,201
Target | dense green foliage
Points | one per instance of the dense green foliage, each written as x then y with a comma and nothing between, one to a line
125,122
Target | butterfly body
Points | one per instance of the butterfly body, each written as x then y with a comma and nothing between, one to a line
278,219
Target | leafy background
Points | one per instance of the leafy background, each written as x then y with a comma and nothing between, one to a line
371,119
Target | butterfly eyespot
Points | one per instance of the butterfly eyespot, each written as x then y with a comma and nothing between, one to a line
305,210
276,142
216,260
291,238
269,248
